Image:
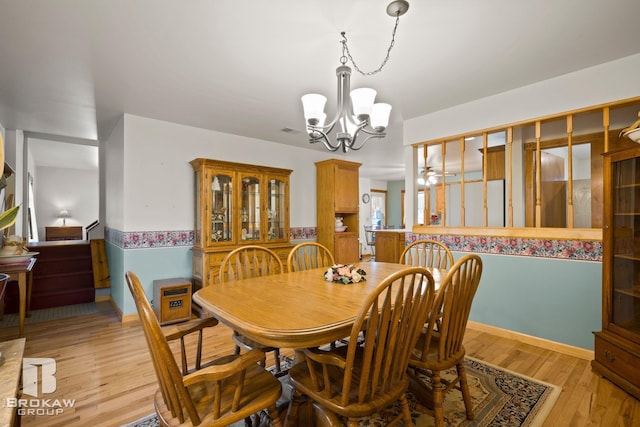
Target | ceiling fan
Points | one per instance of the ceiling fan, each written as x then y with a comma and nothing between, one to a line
430,176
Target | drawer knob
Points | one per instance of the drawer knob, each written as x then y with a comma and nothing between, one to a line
609,356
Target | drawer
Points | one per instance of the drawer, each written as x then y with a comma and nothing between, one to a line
618,360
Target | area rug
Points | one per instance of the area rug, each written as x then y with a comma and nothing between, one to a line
55,313
500,398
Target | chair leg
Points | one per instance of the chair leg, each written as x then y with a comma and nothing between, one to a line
438,411
464,387
276,356
273,416
294,406
404,404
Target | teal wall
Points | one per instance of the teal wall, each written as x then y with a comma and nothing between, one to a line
553,299
148,265
557,300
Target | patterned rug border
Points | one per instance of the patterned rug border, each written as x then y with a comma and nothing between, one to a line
551,395
534,419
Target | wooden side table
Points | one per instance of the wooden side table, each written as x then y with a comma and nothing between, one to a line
23,274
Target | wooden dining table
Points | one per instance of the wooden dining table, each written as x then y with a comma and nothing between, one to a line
295,310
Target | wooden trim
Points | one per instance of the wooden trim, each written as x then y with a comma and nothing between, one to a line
528,122
570,350
524,232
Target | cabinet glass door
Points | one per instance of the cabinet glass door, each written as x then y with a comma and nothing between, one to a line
625,298
250,209
221,208
276,210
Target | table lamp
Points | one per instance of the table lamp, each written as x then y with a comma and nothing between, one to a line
64,214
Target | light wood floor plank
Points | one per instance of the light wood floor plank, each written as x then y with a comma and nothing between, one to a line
106,368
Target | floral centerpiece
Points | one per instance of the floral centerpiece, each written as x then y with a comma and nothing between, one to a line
345,273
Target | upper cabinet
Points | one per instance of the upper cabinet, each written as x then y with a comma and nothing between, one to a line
238,204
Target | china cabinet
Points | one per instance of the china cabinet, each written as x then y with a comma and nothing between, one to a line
617,346
338,197
237,204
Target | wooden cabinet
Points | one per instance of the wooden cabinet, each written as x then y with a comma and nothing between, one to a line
237,204
389,245
617,346
63,233
337,192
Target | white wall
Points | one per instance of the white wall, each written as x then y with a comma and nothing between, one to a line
158,186
62,188
113,161
603,83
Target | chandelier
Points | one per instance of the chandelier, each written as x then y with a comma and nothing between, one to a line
356,111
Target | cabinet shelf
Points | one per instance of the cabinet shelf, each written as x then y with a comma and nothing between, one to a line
628,256
633,292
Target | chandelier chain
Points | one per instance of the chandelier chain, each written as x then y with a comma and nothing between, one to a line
345,50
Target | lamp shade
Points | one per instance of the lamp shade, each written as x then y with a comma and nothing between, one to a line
313,105
362,101
64,214
380,116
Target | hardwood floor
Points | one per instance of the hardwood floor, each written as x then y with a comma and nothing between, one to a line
105,367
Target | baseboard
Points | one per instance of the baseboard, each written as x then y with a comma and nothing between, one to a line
129,319
528,339
103,298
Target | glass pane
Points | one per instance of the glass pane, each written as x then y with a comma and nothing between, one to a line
420,207
276,210
222,202
250,208
581,192
626,262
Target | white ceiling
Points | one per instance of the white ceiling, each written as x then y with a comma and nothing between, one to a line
71,68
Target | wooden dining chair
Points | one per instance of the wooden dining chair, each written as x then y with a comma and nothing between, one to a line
370,238
427,253
232,389
178,331
308,255
243,263
439,349
360,379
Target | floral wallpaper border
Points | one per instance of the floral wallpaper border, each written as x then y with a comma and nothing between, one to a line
582,250
543,248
